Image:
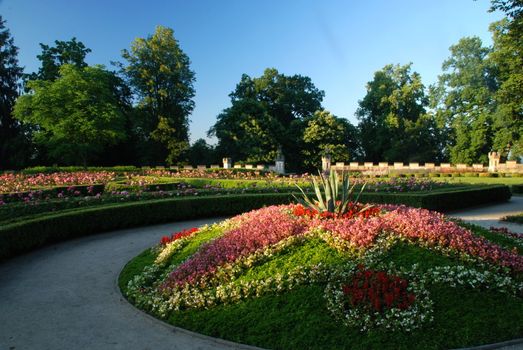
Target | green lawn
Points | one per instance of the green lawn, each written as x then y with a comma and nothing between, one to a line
481,180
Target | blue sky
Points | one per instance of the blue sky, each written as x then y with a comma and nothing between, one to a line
339,44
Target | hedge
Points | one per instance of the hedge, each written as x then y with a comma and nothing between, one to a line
517,189
23,236
19,237
444,200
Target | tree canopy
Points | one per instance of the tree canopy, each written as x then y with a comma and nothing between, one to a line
463,101
394,125
507,60
267,113
14,145
53,57
76,115
160,75
327,133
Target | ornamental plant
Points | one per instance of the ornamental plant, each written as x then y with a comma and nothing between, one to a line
177,235
338,195
377,291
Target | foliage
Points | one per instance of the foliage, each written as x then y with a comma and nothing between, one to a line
463,101
159,72
33,232
325,132
265,113
201,153
393,119
518,218
338,200
14,141
507,58
75,116
53,57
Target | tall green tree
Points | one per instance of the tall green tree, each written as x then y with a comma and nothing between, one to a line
53,57
464,103
201,153
326,132
507,59
393,121
160,75
75,116
14,145
266,113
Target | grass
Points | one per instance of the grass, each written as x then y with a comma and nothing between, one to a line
299,319
481,180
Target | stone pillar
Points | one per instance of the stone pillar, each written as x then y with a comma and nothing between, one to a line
493,161
280,162
326,163
227,163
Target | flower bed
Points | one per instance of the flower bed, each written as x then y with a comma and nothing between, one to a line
252,256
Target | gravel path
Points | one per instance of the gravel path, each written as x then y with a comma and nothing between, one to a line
65,296
490,215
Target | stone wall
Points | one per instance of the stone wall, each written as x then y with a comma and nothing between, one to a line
399,167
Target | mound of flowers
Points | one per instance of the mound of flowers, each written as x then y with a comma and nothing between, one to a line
363,292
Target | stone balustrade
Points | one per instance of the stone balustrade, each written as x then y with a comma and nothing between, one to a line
399,167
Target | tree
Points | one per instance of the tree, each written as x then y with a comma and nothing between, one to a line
53,57
76,115
464,101
507,60
267,113
159,72
201,153
14,145
326,132
394,125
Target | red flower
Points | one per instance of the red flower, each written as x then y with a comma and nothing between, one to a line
377,291
178,235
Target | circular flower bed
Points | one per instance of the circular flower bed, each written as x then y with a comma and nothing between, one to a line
257,254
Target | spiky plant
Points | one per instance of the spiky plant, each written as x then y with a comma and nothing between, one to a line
333,194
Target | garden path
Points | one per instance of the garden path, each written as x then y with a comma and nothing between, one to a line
65,296
490,215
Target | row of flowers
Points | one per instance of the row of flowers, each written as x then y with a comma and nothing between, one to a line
21,182
265,227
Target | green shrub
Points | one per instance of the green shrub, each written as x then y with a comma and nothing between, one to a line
19,237
434,174
455,175
517,189
23,236
444,200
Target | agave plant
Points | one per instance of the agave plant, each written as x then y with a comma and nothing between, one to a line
330,196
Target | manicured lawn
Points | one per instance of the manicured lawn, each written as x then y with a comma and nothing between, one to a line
481,180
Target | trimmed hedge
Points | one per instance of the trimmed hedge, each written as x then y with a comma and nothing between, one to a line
20,237
517,189
23,236
444,200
